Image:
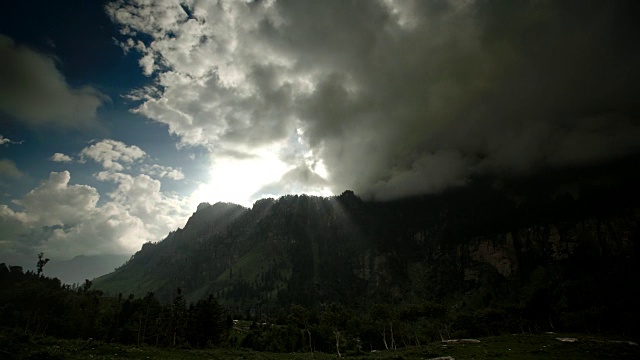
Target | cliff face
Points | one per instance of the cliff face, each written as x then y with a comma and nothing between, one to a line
613,236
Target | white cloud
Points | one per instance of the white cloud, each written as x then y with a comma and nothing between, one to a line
141,196
59,157
6,141
116,156
65,220
111,153
35,92
208,97
163,171
55,202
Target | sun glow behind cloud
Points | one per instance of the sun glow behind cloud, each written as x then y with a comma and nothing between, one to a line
237,180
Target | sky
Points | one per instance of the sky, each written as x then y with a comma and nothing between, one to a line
117,118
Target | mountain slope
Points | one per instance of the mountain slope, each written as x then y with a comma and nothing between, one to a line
476,246
155,266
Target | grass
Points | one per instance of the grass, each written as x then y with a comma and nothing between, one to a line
529,347
523,347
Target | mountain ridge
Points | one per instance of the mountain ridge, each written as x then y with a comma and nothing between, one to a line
470,247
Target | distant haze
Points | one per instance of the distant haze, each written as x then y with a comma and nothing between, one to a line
80,268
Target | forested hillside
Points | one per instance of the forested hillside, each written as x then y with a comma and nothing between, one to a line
553,255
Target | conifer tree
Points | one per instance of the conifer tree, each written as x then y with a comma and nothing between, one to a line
178,315
41,263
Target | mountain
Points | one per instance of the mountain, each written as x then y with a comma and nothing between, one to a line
547,243
76,270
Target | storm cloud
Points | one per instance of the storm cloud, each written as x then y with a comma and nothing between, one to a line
33,90
393,98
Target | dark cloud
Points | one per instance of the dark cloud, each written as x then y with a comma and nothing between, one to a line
479,89
399,98
34,92
9,170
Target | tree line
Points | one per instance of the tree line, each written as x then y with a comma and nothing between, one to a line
34,305
38,305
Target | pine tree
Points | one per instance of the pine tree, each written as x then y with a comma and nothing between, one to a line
41,263
178,316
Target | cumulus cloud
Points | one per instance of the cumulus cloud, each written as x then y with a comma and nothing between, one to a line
142,198
395,98
111,154
60,157
163,171
115,156
55,202
34,91
65,220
